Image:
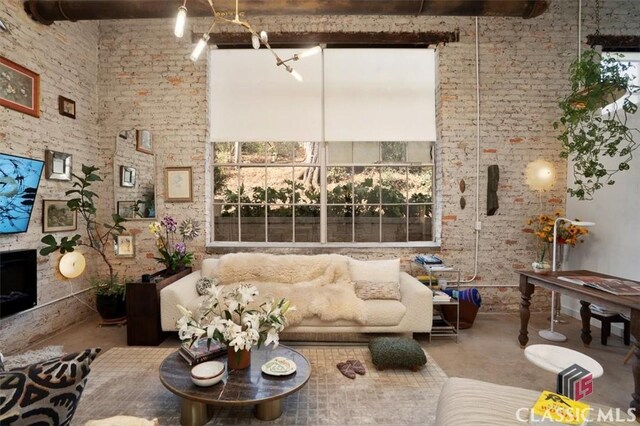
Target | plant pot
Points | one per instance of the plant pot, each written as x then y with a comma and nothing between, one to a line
111,307
238,360
541,267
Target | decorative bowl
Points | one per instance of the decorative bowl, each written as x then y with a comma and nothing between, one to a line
207,373
279,366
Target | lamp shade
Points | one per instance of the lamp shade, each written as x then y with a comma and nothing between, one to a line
540,175
72,264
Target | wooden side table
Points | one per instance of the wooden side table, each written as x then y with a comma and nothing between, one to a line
143,309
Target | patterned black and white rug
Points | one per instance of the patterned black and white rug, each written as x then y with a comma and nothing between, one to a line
124,381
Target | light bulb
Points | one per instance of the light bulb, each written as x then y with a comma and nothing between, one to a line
202,43
264,36
180,21
255,41
295,74
310,52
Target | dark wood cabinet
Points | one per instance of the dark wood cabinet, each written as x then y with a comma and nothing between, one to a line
143,309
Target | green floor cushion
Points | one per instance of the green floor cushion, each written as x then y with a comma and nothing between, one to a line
45,393
396,352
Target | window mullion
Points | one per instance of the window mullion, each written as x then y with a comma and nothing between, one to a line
323,192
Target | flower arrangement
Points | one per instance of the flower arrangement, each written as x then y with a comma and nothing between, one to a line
566,232
227,318
174,253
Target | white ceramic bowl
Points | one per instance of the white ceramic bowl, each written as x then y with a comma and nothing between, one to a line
207,373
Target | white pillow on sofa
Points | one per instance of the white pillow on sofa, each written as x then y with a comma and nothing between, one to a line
209,267
375,270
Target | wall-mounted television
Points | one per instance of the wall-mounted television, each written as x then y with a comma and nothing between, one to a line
19,181
18,281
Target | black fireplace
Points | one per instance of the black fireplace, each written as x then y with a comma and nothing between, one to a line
18,281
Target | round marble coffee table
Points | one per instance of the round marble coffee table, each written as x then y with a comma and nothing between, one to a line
238,388
557,358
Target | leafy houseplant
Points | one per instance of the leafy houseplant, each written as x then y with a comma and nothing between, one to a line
98,235
174,254
596,81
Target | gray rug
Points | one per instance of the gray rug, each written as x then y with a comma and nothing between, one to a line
124,381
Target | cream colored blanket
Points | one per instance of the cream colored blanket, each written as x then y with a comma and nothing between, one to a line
318,285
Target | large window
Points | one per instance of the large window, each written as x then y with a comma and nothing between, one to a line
337,192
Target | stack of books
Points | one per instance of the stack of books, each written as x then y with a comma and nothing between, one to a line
440,296
199,352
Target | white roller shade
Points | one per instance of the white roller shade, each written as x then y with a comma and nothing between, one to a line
254,100
380,95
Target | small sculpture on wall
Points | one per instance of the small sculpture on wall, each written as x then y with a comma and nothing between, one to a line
493,176
463,187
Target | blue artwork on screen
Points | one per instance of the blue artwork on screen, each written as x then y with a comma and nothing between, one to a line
19,180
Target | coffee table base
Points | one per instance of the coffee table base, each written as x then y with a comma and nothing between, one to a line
193,413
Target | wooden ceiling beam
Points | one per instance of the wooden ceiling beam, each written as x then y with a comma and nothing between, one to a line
337,39
615,43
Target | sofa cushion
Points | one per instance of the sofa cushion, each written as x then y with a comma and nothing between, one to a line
46,392
209,267
375,270
388,290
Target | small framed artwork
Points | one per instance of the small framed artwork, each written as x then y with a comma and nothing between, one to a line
127,176
124,246
127,209
144,142
177,182
19,88
57,165
66,107
57,216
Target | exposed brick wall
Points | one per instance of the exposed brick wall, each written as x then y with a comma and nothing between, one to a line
66,57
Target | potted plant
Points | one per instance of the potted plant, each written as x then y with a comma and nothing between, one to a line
590,132
175,256
109,289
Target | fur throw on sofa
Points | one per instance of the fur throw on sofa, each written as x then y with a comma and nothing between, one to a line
318,285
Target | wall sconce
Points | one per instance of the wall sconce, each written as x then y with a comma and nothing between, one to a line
540,175
72,264
551,334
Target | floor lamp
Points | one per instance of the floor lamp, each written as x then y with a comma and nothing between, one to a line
551,334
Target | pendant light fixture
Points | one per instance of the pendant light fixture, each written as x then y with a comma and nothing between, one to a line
257,38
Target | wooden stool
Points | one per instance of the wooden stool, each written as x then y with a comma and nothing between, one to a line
606,327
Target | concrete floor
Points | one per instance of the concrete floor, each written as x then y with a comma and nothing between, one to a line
488,351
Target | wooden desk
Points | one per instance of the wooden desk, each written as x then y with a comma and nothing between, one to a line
624,304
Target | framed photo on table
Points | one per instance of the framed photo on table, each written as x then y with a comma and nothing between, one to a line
124,246
19,88
178,184
57,216
57,165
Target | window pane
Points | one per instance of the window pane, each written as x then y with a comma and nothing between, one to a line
394,184
393,152
225,222
252,186
339,187
340,153
420,223
225,182
419,152
366,152
280,224
224,152
421,184
252,226
339,224
367,224
308,152
305,193
394,223
307,224
254,152
279,185
367,185
299,151
280,152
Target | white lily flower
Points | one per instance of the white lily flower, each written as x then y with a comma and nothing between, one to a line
184,311
272,337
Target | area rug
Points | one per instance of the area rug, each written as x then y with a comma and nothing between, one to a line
31,357
124,381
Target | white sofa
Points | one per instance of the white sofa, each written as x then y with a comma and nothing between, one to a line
412,314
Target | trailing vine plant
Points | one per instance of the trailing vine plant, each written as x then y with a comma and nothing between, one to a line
589,132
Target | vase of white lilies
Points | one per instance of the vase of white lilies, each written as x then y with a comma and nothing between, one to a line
229,317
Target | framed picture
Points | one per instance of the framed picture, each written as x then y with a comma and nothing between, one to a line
127,209
57,165
124,246
19,88
127,176
177,182
56,216
66,107
144,142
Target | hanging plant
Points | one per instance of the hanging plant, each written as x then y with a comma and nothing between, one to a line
589,132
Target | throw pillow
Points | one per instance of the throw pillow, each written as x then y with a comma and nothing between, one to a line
387,290
204,284
375,270
47,392
1,363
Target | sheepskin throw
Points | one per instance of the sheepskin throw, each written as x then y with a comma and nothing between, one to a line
318,285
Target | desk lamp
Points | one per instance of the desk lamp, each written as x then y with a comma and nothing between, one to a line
551,334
